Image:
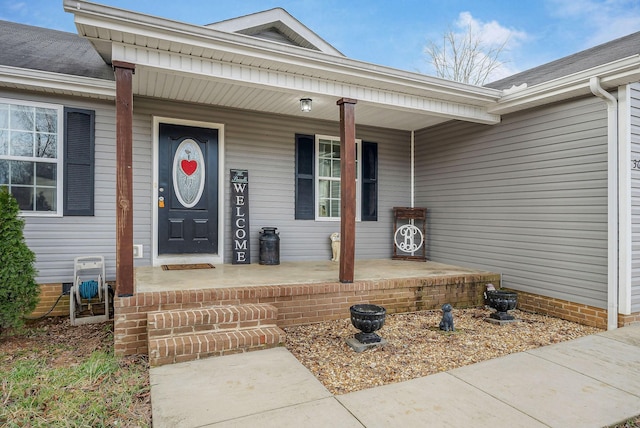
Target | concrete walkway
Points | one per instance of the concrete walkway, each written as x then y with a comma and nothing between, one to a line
593,381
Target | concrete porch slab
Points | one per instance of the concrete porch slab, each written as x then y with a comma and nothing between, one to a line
150,279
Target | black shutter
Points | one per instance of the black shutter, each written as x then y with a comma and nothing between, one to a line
79,141
369,182
305,194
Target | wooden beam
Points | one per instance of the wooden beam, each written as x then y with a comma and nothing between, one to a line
347,189
124,177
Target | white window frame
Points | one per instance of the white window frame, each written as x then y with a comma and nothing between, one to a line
317,176
59,161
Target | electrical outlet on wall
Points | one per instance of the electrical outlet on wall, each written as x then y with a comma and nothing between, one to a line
66,288
137,251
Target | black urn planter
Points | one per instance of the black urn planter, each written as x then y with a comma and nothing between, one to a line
368,319
502,301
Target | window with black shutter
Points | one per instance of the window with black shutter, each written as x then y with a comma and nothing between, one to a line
369,210
305,194
305,198
79,142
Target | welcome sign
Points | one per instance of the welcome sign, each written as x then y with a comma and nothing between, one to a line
240,216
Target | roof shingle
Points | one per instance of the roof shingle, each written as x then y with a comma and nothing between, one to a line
36,48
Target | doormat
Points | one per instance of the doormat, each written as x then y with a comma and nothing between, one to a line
189,266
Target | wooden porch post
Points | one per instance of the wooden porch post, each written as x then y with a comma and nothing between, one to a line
347,189
124,177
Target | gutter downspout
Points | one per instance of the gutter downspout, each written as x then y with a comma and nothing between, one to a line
612,192
413,165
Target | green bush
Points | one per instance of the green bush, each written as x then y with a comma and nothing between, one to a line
18,288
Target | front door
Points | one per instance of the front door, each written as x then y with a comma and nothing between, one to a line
187,190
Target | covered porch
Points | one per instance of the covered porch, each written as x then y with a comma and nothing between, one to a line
231,78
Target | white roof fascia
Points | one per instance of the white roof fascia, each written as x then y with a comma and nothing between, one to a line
612,75
282,57
245,75
277,17
47,81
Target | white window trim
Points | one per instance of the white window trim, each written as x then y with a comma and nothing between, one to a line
316,178
59,161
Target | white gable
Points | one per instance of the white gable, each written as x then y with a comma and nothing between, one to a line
276,25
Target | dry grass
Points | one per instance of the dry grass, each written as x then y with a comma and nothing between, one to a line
57,375
416,347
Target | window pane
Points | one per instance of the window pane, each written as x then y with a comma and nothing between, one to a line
336,150
335,168
46,120
324,149
46,199
46,146
46,174
323,189
323,210
22,118
4,116
324,168
21,144
4,142
4,172
335,189
24,196
21,172
335,208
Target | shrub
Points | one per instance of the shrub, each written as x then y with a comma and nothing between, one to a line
18,288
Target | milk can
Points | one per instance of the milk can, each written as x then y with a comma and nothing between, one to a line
269,246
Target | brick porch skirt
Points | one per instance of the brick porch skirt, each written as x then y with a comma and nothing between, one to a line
576,312
300,304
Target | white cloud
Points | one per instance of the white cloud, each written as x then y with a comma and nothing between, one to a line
601,20
19,7
491,33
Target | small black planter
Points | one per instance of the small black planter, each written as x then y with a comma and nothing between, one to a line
501,301
368,319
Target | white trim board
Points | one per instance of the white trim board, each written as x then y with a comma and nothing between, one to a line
157,260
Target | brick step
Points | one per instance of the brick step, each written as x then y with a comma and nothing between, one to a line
214,318
180,335
189,347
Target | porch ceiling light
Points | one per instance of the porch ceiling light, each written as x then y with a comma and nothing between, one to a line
305,104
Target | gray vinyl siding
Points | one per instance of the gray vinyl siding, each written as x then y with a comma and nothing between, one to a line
265,146
635,197
526,197
56,241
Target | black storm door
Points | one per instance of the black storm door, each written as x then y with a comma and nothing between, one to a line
187,190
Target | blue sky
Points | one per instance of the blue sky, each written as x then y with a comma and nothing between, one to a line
395,33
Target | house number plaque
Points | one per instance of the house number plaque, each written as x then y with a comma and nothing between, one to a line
240,216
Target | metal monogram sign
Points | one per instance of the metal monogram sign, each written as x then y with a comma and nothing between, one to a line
408,238
240,216
409,233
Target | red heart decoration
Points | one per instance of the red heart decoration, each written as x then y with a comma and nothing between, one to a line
189,166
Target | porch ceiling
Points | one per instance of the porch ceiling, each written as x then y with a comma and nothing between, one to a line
156,83
192,63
